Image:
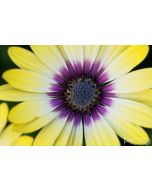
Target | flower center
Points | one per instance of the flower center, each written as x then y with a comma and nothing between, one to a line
82,94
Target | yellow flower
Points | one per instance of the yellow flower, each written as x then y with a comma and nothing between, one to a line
79,95
9,137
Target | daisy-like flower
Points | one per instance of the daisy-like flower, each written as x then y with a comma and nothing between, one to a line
9,137
76,95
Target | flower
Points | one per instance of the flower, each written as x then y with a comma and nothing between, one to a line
76,95
9,137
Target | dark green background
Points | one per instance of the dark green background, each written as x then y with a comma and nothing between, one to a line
6,63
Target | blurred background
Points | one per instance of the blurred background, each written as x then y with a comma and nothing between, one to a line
6,63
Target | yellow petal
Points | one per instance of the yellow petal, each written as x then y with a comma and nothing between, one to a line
3,115
27,60
90,139
5,87
134,81
27,80
62,52
50,55
105,134
76,137
126,61
74,53
24,140
142,96
28,111
8,93
126,130
109,53
35,124
64,136
90,52
133,112
48,135
101,134
8,136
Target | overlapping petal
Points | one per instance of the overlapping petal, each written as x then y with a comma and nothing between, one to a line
28,111
27,80
126,61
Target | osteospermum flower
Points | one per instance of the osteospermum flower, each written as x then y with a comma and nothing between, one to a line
80,95
9,137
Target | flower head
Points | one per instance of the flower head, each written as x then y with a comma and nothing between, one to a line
80,94
7,135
